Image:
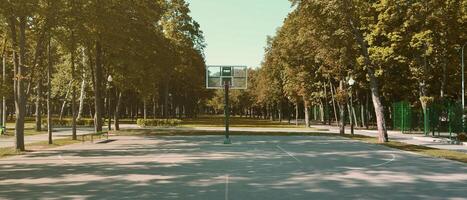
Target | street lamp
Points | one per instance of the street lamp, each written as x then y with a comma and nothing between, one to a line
351,83
109,80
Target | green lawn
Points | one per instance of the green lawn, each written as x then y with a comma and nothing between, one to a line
11,151
29,129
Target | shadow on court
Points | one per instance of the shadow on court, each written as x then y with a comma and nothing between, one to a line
254,167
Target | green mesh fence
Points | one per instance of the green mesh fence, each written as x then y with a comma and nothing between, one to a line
402,116
442,117
445,116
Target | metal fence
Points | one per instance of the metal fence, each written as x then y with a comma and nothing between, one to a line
440,117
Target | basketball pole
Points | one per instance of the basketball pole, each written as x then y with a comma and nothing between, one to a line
226,112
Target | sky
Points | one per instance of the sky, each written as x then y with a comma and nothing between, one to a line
236,30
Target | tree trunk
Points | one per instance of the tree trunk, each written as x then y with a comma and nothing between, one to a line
98,89
342,112
280,111
91,114
362,114
367,109
307,113
82,97
374,86
443,80
49,91
333,101
354,114
3,112
321,113
326,103
296,114
73,93
166,99
154,107
20,73
39,106
62,110
379,110
349,112
145,110
4,107
117,111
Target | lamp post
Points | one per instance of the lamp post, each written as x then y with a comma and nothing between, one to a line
351,83
109,80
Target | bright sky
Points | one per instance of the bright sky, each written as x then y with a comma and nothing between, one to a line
236,30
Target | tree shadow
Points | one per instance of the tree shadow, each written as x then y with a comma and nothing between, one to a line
254,167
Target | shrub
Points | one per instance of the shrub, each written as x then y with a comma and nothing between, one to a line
68,122
159,122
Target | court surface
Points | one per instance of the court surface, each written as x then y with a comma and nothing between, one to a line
253,167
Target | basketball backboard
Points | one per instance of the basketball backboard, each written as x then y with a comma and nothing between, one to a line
217,76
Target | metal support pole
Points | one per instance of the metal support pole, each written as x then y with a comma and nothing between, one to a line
109,109
227,113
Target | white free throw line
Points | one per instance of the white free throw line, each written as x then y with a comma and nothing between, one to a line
226,187
384,163
288,153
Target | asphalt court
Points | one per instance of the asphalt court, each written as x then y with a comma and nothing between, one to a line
253,167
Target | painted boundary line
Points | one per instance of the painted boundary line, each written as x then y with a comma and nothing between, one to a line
226,187
380,151
387,162
288,153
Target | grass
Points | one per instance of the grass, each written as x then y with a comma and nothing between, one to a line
11,151
216,121
422,150
29,129
27,132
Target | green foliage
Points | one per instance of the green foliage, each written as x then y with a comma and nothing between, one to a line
68,122
426,101
158,122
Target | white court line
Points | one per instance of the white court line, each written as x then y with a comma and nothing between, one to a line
61,158
298,160
387,162
384,151
226,187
